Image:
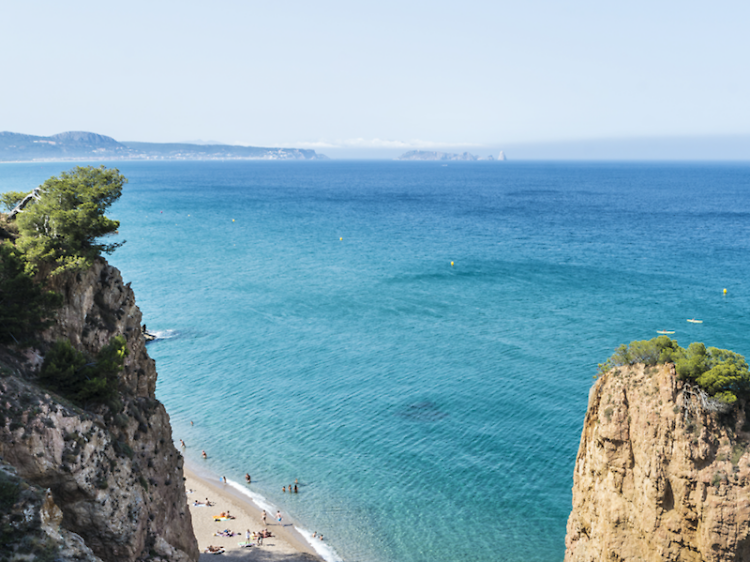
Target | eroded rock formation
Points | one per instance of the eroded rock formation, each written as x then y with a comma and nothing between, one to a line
114,478
658,476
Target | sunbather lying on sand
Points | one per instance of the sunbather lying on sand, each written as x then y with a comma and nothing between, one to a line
214,549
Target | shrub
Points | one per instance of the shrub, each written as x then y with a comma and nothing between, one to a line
9,492
25,308
723,374
70,373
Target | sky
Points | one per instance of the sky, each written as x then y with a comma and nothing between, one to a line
365,78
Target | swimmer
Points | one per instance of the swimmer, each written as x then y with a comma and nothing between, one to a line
295,488
283,489
182,443
247,478
315,534
321,537
204,455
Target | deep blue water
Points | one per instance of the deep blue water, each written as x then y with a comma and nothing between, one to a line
317,329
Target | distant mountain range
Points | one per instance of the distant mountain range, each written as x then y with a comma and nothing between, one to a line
429,155
79,145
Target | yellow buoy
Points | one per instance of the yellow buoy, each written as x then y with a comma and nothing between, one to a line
451,264
725,291
341,237
232,220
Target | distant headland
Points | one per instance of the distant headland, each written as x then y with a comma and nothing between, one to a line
429,155
80,145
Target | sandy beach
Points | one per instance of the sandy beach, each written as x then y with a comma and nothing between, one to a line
286,544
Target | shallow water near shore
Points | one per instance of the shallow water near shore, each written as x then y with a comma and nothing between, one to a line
315,328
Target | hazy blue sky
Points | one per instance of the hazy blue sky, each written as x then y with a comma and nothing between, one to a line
329,74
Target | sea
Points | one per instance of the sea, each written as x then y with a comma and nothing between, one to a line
414,342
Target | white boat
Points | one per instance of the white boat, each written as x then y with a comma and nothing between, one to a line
694,321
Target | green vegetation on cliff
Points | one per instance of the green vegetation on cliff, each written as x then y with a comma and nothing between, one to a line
58,231
84,380
62,227
10,199
25,307
723,374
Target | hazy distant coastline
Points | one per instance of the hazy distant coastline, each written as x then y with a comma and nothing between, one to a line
440,156
80,145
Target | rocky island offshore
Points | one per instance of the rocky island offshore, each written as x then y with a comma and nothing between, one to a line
88,471
663,468
427,155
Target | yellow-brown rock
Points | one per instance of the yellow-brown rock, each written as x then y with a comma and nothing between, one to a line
660,475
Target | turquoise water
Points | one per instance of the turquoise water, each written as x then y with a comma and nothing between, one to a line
430,412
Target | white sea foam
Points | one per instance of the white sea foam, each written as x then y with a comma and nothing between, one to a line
256,498
323,549
165,334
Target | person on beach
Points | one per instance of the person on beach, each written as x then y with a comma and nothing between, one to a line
182,443
247,535
264,517
247,478
278,517
204,455
224,478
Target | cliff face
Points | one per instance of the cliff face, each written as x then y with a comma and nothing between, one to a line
115,479
658,476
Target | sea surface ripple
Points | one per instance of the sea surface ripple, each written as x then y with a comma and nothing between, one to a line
315,328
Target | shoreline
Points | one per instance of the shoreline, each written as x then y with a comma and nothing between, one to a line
287,544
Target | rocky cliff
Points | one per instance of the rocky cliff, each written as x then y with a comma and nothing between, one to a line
660,474
109,482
